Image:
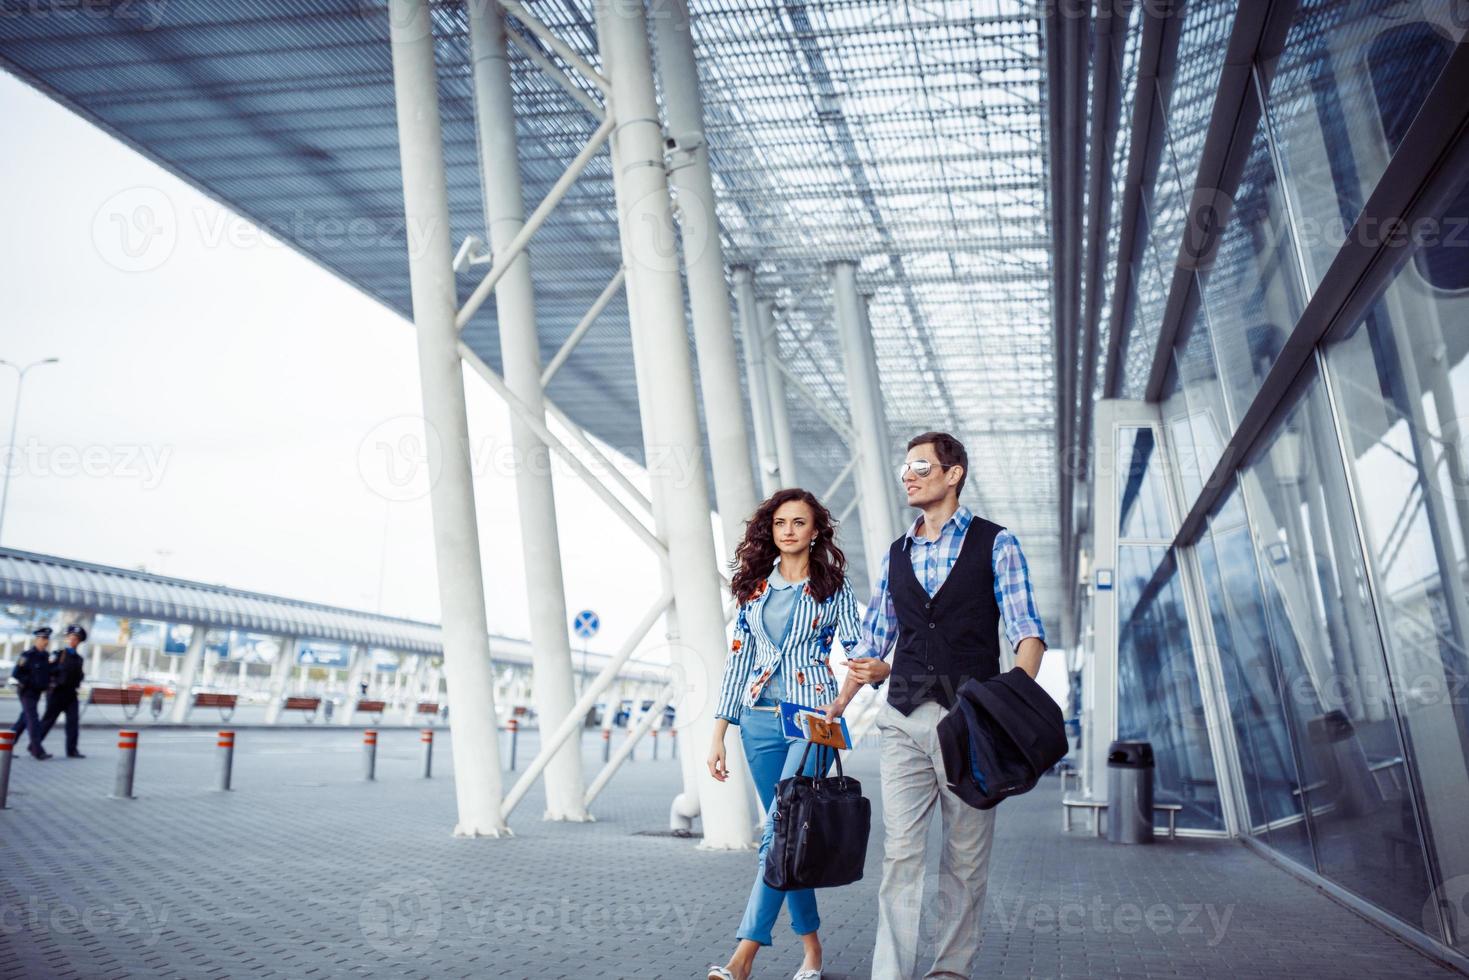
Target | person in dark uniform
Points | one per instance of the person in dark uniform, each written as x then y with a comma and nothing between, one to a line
33,674
66,681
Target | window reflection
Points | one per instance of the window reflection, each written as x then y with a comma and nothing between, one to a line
1208,422
1252,680
1158,697
1324,636
1140,489
1401,383
1252,286
1353,75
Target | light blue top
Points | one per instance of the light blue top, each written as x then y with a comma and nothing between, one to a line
776,617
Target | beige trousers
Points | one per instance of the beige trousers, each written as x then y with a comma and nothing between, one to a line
913,786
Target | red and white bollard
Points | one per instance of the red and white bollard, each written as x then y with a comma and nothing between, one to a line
7,752
654,733
427,738
606,744
226,746
369,753
127,764
514,727
673,743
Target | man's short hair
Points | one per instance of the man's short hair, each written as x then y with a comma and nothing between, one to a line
950,452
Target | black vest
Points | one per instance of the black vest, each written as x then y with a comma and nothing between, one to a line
945,640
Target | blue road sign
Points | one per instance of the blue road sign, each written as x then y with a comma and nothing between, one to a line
585,624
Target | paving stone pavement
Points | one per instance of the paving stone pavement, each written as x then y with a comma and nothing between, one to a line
305,870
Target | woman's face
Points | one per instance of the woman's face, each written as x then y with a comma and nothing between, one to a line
793,527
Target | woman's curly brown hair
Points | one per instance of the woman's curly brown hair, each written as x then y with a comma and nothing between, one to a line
757,553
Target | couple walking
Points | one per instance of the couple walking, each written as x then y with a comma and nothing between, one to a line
946,588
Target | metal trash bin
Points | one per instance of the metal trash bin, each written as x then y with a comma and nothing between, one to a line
1130,792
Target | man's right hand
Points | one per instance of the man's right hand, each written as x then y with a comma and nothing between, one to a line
869,670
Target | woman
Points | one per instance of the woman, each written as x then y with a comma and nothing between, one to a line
790,582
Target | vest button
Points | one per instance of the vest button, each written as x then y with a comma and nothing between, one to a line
933,626
928,605
930,668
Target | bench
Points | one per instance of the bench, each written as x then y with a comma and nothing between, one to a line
127,698
374,708
1069,803
308,705
224,702
1097,807
428,707
1172,810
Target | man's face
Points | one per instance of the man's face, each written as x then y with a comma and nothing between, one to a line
42,643
923,491
73,641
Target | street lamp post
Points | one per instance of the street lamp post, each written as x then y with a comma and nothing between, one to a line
20,377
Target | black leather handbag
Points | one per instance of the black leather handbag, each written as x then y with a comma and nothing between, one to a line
821,828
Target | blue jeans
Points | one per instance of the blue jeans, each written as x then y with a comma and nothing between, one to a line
772,758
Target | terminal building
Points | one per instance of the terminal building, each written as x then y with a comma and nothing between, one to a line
1189,278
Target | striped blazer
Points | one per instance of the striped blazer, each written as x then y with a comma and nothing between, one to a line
804,659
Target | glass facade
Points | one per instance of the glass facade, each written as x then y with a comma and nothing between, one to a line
1321,609
1159,699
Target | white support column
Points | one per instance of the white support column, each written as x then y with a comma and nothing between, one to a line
703,258
896,504
660,347
183,698
408,689
744,282
775,389
280,677
520,352
878,530
477,778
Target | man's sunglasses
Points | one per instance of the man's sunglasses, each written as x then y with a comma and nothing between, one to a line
919,468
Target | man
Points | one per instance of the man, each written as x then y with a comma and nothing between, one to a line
946,587
66,679
33,673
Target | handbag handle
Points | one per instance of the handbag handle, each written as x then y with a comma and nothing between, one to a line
819,749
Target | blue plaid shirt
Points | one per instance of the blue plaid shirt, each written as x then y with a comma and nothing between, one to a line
932,561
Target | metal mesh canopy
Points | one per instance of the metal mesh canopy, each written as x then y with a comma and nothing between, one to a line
908,138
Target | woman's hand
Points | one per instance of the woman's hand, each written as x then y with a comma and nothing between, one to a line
833,709
718,767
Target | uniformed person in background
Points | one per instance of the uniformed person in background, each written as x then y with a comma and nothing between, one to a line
66,681
33,673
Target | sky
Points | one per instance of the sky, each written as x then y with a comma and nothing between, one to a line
227,411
